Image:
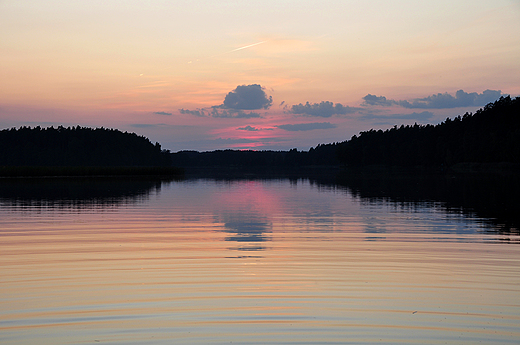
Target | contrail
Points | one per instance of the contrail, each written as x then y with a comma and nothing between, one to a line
245,47
234,50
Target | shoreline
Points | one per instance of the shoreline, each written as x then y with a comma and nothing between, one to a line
87,171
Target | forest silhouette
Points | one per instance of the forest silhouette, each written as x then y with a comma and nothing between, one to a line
489,136
78,146
80,151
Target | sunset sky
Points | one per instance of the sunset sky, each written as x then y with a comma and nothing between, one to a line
216,74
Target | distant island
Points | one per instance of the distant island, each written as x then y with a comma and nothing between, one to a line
488,138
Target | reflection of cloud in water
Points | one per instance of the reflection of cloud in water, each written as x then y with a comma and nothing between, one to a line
244,208
248,229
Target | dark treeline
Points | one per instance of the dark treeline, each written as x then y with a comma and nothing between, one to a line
320,155
491,135
78,146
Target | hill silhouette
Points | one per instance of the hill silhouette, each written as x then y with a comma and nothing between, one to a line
78,146
491,135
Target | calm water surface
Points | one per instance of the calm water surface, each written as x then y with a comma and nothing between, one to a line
249,262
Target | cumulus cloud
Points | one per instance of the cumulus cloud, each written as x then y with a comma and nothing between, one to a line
162,113
438,101
244,97
307,126
323,109
248,128
248,97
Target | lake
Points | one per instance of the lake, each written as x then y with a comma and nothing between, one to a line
257,261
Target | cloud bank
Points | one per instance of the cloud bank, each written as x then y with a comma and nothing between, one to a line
306,126
323,109
162,113
438,101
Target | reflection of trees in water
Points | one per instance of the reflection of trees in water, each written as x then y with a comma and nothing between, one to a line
76,193
493,199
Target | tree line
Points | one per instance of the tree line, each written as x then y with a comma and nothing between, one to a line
78,146
323,154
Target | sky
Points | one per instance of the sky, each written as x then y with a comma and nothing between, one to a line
248,74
